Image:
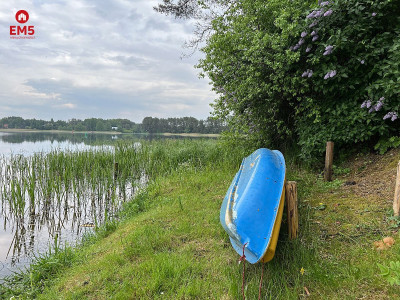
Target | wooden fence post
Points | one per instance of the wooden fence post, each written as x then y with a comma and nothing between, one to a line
328,161
292,210
396,200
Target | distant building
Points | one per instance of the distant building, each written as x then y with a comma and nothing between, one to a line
114,128
5,126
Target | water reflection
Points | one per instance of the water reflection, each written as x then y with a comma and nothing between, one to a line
31,142
43,199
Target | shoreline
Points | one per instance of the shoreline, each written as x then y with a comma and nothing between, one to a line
12,130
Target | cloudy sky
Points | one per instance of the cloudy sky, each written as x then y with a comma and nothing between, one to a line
97,58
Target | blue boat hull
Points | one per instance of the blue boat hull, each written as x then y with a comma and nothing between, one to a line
252,208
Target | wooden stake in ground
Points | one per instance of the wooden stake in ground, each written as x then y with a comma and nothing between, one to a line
328,161
396,201
292,211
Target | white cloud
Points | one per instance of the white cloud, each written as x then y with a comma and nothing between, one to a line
66,105
104,59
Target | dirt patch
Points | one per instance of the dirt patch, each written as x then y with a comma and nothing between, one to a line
374,175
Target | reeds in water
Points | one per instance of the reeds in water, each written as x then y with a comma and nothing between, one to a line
70,188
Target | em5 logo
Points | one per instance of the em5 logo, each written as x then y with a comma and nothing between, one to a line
22,32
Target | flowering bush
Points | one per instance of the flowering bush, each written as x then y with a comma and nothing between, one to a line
285,72
354,93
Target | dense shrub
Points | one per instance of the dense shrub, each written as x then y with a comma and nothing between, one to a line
350,62
248,61
285,72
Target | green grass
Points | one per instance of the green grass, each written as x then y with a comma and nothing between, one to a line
170,244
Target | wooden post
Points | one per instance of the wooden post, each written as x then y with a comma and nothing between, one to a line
115,170
328,161
396,201
292,211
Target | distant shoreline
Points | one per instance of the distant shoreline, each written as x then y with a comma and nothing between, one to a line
12,130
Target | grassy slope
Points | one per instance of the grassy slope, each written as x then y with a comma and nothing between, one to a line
177,249
356,216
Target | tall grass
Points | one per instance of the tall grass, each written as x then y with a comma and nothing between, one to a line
67,188
88,180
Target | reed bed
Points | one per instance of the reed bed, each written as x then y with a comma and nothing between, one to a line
68,188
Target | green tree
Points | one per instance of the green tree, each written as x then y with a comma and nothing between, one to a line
249,63
100,125
306,72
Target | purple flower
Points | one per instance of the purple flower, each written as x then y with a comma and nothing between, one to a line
318,13
315,14
328,50
368,104
301,42
296,47
388,115
324,3
328,13
330,74
378,105
307,73
391,115
311,15
362,62
381,99
313,33
303,34
373,14
315,37
313,24
308,49
364,104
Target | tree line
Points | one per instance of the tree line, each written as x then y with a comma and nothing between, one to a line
148,125
182,125
294,74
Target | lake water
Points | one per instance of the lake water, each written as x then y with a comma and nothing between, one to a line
32,233
27,143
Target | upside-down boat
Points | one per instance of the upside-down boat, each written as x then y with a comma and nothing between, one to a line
251,212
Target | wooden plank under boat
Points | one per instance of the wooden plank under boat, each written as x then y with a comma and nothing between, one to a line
251,212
